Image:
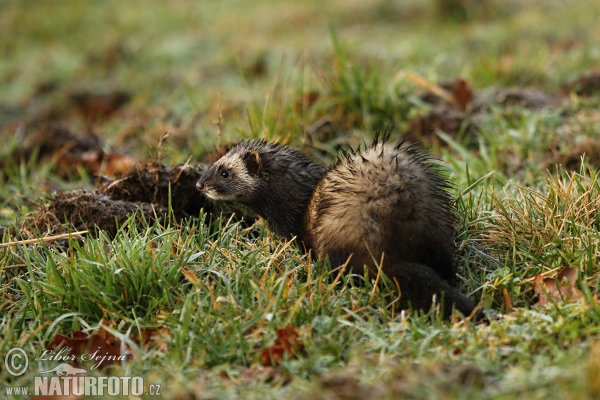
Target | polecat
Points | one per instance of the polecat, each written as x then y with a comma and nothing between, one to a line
390,200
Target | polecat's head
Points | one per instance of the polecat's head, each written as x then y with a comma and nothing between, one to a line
234,176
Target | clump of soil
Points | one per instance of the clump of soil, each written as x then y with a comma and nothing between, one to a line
586,85
523,97
85,209
464,97
56,141
457,108
153,182
447,120
145,189
99,105
570,155
70,150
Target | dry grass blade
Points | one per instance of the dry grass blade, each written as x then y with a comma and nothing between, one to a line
432,88
566,213
42,239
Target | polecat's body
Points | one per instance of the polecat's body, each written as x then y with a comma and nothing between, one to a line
386,200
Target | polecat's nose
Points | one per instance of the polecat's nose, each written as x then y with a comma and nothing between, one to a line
200,185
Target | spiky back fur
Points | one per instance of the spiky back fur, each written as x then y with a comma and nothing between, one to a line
386,199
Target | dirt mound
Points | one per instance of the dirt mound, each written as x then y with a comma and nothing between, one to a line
569,155
153,182
85,209
145,189
54,141
457,108
447,120
586,85
69,150
523,97
99,105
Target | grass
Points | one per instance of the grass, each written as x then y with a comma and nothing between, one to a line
218,291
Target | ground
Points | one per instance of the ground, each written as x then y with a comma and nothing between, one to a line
110,110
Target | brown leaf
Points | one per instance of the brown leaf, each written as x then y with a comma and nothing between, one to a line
557,289
190,276
287,345
101,345
118,164
92,160
111,164
306,100
155,338
462,94
507,303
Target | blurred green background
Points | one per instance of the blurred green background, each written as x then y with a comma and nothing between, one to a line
178,59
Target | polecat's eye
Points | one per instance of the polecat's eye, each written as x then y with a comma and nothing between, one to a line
225,174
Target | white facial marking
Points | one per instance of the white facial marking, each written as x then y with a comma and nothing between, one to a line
235,164
216,196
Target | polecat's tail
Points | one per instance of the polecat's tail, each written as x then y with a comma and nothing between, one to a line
419,284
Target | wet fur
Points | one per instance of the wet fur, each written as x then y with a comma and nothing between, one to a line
385,199
274,180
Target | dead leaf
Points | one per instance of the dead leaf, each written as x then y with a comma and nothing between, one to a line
507,303
448,120
462,94
100,349
190,276
287,345
110,164
558,289
306,100
155,338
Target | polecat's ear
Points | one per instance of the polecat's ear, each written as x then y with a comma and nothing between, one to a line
253,162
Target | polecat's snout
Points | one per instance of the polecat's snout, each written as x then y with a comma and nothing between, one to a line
211,182
203,185
206,185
